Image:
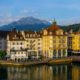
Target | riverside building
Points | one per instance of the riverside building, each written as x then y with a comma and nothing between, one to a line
54,42
22,45
74,42
51,42
16,47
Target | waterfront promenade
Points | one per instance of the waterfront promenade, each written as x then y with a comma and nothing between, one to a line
76,58
36,62
39,62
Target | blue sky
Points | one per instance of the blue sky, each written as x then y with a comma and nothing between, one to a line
64,11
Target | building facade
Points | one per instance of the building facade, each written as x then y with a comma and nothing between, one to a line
54,42
74,42
33,43
16,47
24,44
51,42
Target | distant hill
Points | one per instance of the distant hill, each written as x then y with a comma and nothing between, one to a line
75,27
27,23
33,24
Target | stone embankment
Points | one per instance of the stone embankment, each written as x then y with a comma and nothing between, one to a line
75,58
39,62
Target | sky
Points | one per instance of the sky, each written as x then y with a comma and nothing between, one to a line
64,11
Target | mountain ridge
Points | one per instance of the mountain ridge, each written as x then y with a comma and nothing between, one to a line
33,24
27,23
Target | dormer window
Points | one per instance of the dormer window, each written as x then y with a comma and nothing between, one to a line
50,33
20,37
39,35
27,35
15,36
31,35
45,32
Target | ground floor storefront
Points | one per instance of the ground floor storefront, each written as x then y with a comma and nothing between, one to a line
56,53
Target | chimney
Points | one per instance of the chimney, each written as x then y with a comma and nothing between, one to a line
23,34
14,29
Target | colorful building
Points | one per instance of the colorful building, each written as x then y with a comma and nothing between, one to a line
54,42
49,43
74,42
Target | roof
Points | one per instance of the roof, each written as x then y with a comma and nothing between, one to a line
53,27
15,35
34,34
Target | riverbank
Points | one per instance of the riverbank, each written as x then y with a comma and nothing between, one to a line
60,61
39,62
13,63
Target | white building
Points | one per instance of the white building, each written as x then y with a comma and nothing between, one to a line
16,47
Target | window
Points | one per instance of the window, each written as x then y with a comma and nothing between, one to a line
50,41
27,45
20,37
27,35
38,35
50,33
13,48
54,41
13,43
17,43
20,47
33,35
38,39
38,47
38,43
21,43
51,45
27,40
30,35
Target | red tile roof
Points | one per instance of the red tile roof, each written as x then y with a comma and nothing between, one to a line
53,27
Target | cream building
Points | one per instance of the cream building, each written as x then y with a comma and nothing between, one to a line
33,43
24,44
16,47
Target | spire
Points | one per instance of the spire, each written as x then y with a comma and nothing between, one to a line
54,22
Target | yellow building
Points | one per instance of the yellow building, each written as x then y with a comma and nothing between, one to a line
74,42
54,42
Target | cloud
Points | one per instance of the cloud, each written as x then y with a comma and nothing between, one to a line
24,11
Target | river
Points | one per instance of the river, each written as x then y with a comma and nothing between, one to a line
41,72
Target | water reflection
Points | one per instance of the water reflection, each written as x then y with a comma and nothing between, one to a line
3,73
76,72
43,72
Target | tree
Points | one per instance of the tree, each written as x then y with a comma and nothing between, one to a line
2,54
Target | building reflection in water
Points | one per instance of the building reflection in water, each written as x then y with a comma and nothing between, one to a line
43,72
76,72
55,72
3,73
